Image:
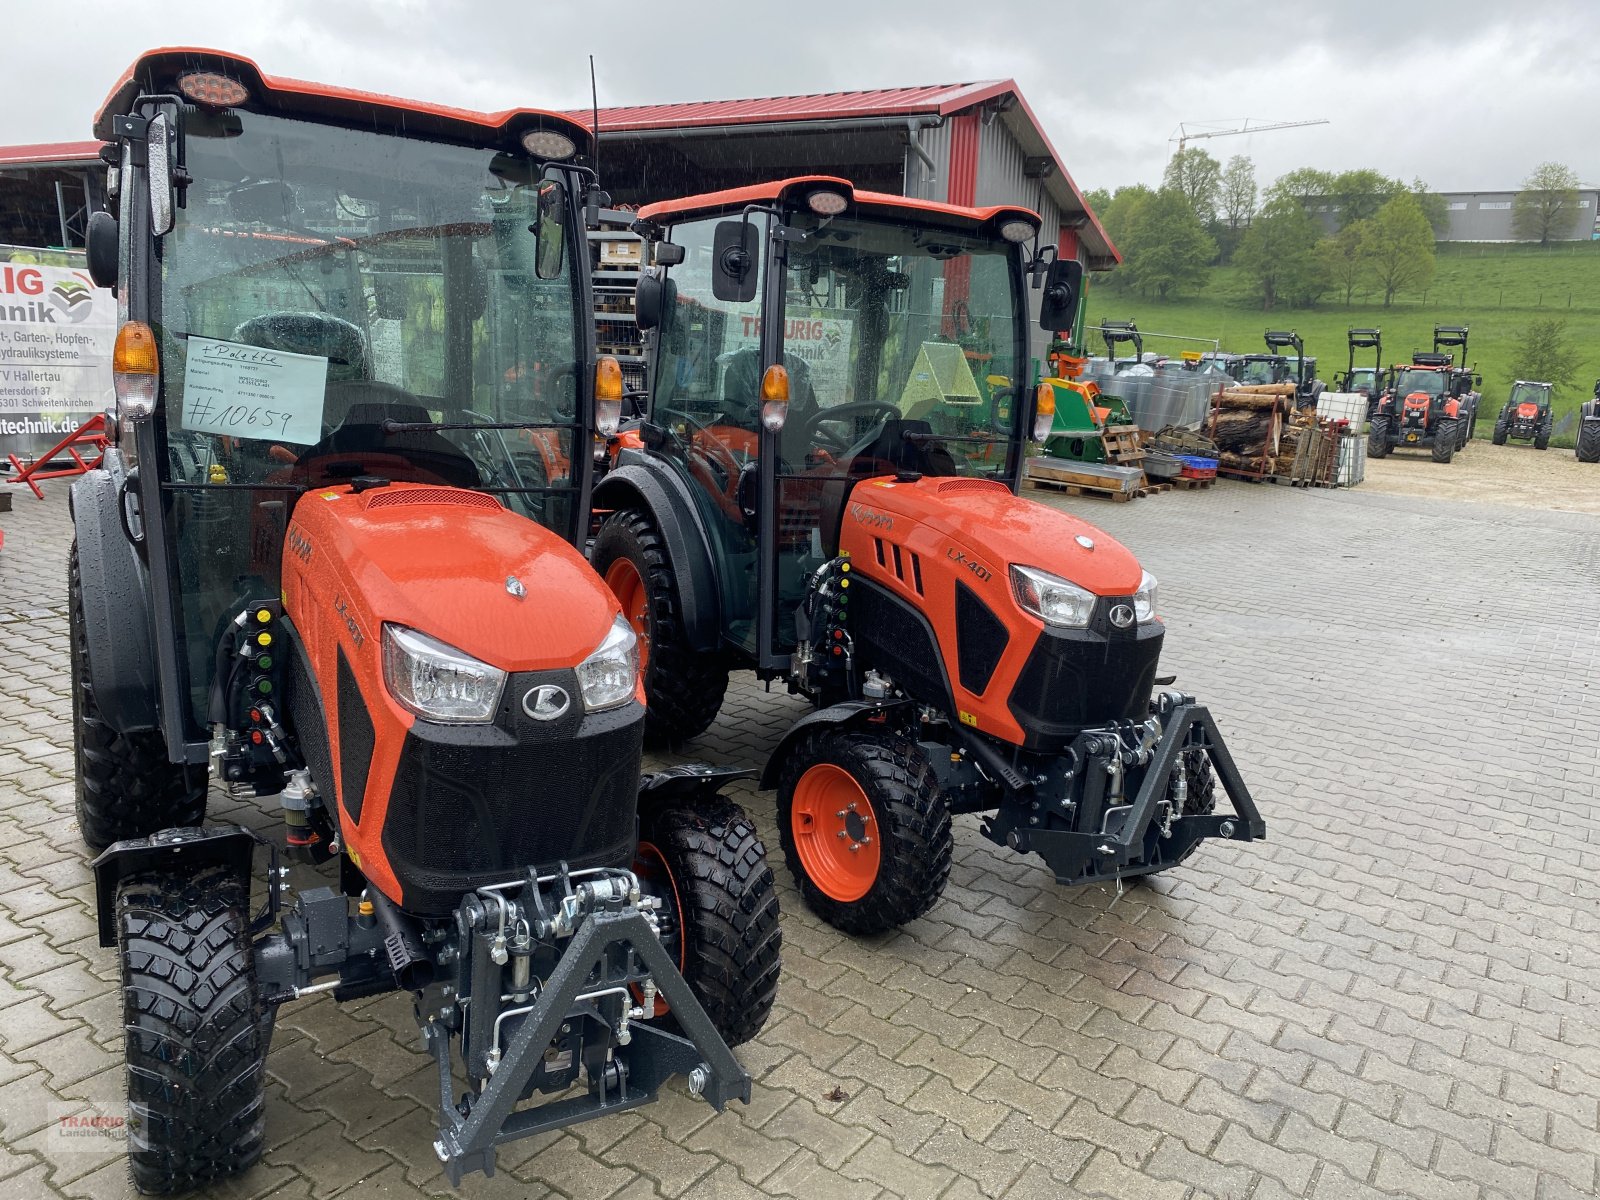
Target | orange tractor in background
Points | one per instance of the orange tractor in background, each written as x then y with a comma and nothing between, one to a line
826,494
1430,404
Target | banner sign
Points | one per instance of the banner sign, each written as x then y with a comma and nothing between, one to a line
56,335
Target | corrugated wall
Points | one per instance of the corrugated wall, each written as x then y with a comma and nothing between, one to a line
920,181
1001,181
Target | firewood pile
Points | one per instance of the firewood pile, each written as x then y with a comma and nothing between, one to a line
1247,425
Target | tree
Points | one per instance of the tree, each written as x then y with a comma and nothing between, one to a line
1195,175
1344,257
1279,254
1237,196
1545,206
1098,200
1434,207
1399,243
1542,353
1301,185
1359,194
1165,248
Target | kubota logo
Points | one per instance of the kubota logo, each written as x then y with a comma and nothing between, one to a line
546,702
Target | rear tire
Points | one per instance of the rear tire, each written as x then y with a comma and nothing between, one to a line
195,1029
897,817
125,786
1588,448
1444,440
684,687
1498,437
1200,798
725,902
1378,436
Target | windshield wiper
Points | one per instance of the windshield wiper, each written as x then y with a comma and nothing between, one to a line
390,425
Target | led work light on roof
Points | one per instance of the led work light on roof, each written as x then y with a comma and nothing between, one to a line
212,90
547,143
1017,231
826,204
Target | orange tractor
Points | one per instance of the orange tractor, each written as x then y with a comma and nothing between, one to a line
314,567
826,493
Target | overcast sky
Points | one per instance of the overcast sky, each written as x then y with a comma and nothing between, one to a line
1467,95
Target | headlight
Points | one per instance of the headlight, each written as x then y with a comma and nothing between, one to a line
1144,600
608,676
1054,601
436,681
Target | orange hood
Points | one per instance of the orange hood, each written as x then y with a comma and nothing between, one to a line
439,560
983,518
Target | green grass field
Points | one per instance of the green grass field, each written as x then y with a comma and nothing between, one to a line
1497,290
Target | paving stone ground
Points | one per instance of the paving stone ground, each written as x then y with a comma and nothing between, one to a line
1394,996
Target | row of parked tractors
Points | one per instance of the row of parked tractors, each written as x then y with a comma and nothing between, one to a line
1433,403
383,544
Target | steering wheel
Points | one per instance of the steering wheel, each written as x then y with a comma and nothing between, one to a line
814,435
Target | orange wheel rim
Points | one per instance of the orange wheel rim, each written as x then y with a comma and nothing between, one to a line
835,833
627,585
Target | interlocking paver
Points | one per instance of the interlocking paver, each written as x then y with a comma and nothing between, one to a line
1394,996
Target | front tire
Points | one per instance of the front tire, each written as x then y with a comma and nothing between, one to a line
1378,436
684,687
1588,448
125,785
711,867
886,860
1498,437
1541,440
1444,440
195,1029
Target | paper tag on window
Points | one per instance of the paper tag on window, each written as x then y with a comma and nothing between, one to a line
253,392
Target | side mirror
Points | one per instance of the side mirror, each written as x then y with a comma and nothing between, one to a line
551,228
1063,284
100,243
733,269
649,299
159,133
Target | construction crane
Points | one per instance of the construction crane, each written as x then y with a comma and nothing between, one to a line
1184,136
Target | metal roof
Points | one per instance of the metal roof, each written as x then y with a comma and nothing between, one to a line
932,100
937,98
50,154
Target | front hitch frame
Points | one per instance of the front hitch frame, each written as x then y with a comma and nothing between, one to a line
470,1132
1107,843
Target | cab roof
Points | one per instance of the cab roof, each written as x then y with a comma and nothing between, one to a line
157,71
879,204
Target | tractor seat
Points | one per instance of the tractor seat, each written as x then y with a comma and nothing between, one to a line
415,456
890,444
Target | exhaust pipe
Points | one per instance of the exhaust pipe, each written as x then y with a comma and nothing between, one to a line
402,942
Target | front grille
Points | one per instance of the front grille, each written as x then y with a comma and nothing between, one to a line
1080,678
431,495
476,805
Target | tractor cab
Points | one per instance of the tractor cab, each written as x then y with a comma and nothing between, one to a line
313,297
1367,381
1527,415
808,337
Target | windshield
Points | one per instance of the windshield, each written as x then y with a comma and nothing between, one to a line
1262,370
1530,393
1362,378
1411,381
321,281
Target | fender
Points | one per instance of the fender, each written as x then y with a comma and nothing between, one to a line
1590,411
170,850
847,712
1452,407
116,603
640,480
